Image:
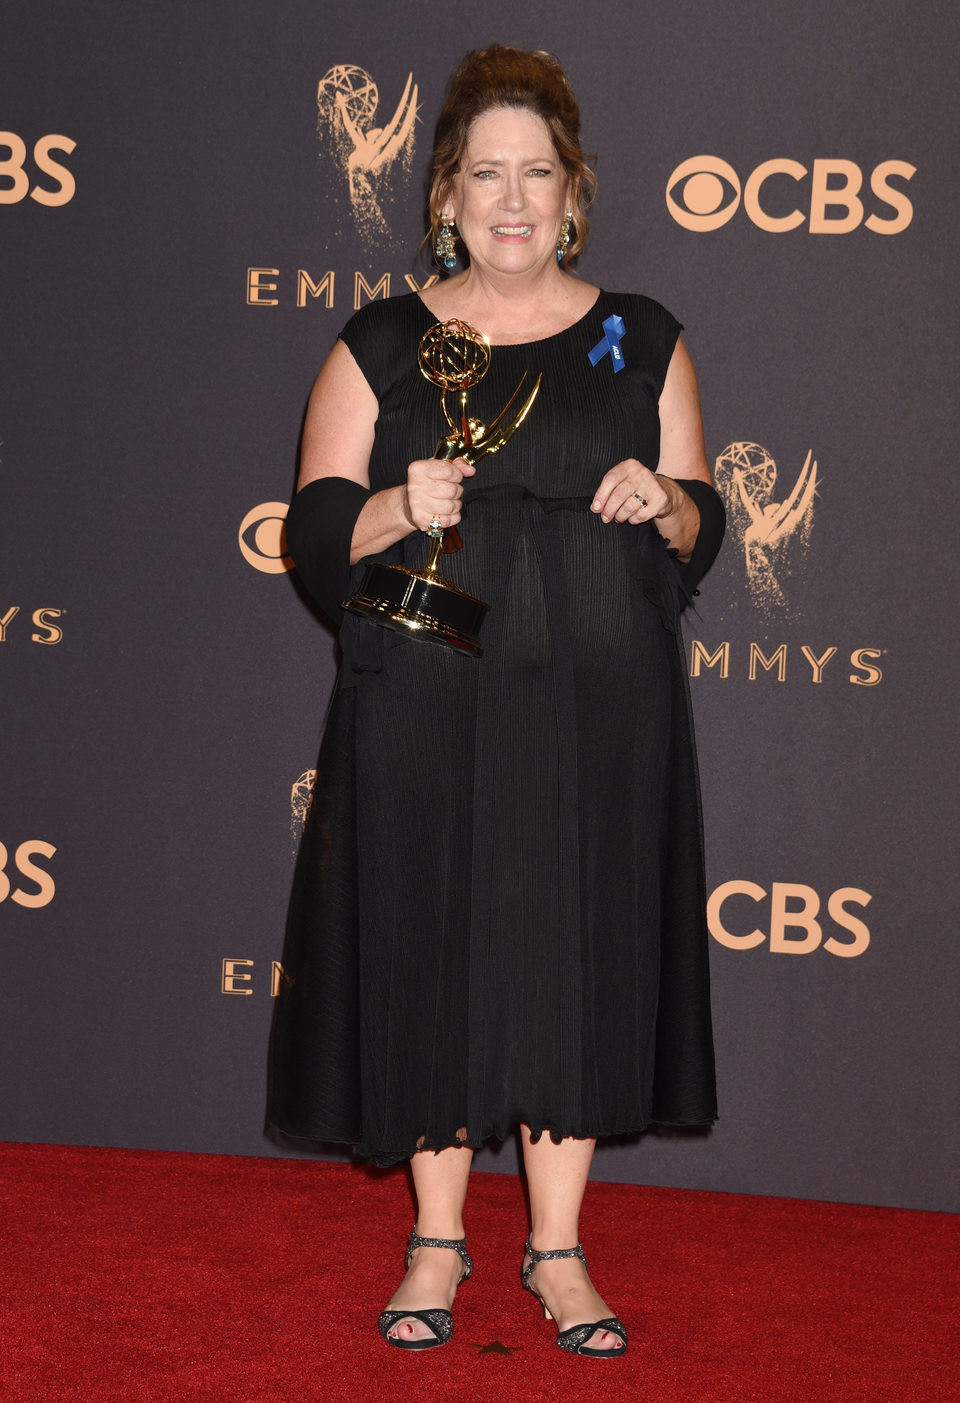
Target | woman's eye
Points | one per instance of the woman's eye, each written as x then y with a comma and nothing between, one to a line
484,175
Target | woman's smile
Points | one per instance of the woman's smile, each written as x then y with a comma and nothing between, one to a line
512,231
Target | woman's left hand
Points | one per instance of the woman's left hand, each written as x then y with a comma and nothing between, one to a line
630,492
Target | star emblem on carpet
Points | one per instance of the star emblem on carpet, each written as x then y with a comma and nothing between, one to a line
495,1347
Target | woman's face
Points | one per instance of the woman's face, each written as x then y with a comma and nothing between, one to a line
511,192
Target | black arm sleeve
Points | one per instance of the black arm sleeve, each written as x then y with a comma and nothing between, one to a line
320,527
713,522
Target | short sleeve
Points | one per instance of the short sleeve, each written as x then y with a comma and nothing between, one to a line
378,337
661,331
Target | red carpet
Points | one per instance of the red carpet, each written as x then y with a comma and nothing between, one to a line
138,1275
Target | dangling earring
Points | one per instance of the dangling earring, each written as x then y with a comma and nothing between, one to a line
445,251
563,242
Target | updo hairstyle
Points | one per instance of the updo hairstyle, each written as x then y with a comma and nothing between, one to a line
500,76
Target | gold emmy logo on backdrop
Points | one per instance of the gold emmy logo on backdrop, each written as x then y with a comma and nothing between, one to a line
301,800
376,160
454,357
772,533
267,548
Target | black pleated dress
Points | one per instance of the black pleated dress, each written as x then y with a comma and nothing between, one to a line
499,909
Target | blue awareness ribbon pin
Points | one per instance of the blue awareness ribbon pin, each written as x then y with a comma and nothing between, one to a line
615,329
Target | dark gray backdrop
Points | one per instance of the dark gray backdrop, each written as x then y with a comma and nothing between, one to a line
148,408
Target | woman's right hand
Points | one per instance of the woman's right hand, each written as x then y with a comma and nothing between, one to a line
434,491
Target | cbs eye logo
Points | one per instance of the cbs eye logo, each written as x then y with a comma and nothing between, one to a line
262,538
704,193
709,190
14,180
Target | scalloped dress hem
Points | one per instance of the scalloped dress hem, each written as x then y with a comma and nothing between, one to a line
387,1159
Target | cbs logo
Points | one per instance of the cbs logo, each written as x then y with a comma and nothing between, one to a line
792,919
262,538
41,887
704,193
14,181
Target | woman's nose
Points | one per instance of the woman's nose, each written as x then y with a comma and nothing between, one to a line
512,196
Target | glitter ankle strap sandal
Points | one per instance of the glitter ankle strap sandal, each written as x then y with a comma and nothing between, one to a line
439,1321
574,1340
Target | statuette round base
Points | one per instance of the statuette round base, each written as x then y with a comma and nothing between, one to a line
420,604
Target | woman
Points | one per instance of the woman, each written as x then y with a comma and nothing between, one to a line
498,912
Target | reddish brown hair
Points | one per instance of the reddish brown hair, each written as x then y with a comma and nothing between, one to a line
500,76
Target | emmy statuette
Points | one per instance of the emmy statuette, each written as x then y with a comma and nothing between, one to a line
421,603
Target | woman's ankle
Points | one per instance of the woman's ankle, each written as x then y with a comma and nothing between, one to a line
426,1226
554,1237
